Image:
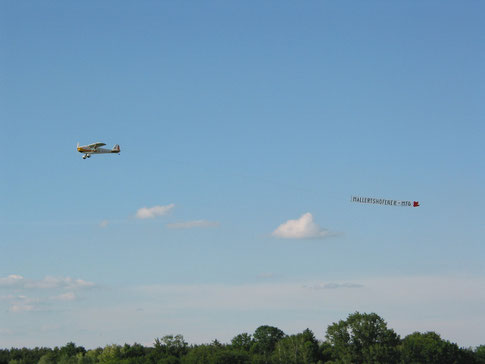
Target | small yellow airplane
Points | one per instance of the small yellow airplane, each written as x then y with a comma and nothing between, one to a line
94,148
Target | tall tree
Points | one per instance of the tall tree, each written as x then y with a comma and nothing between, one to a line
480,354
431,348
265,339
363,339
111,354
242,341
297,349
170,345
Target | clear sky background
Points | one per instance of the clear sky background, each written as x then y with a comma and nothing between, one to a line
234,118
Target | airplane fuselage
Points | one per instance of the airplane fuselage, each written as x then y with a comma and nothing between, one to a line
95,148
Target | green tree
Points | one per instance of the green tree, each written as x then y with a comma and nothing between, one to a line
363,339
4,356
297,349
326,352
110,354
171,345
265,339
170,359
480,354
229,356
23,355
70,349
84,359
242,342
48,358
132,351
198,354
431,348
94,354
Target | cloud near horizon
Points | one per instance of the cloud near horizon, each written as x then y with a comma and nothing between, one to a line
433,303
334,285
18,281
152,212
301,228
193,224
68,296
24,295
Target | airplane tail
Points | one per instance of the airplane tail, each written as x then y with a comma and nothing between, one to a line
116,149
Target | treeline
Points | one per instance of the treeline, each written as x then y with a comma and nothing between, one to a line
360,339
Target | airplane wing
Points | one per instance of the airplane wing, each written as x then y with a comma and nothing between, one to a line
96,145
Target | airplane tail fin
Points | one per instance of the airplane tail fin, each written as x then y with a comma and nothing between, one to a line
116,149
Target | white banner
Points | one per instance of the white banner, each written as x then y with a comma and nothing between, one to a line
384,201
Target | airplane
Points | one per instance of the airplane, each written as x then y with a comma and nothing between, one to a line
94,148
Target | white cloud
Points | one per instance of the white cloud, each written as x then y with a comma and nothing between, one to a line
151,212
334,285
19,282
21,308
450,305
68,296
21,303
302,228
11,280
59,282
25,295
193,224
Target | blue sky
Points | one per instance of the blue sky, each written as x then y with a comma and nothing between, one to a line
234,118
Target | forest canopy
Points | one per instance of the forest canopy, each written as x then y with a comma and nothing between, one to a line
360,339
